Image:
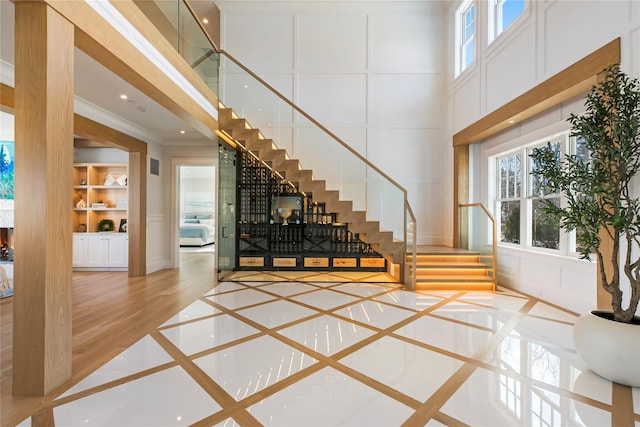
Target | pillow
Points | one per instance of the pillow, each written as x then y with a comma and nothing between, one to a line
209,216
206,221
189,216
191,221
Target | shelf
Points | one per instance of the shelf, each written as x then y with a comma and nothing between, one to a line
88,185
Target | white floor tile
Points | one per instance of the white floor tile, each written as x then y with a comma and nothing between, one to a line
451,336
242,298
143,355
549,312
495,299
326,334
547,332
276,313
207,333
288,288
193,311
362,289
492,399
330,398
485,317
412,300
325,299
226,287
409,369
375,313
167,398
249,367
550,365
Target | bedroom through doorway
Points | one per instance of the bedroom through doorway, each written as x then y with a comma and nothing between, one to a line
197,215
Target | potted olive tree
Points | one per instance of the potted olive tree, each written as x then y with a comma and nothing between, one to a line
599,204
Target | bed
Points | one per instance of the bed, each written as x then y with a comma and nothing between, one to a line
197,230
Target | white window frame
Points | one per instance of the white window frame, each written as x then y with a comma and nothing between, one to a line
495,15
460,40
566,244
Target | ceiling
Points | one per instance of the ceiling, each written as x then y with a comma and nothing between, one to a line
97,91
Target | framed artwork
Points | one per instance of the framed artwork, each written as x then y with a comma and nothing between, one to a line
123,226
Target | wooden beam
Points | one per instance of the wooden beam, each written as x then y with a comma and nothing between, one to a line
7,96
105,44
93,134
460,189
43,179
571,81
108,137
137,215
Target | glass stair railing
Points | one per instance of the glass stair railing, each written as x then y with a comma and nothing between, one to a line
317,149
478,234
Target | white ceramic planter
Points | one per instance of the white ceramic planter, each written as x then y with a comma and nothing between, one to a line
610,349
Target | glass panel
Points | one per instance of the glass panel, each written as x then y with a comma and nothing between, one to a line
469,23
317,150
226,240
410,270
537,184
510,221
468,54
330,159
477,234
544,232
511,9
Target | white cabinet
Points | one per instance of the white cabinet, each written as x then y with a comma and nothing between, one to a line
100,251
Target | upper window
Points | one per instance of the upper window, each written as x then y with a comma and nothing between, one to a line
502,13
465,36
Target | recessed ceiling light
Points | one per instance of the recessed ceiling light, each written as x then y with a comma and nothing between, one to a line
512,121
123,96
205,20
183,131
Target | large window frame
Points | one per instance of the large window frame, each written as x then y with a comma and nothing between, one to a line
466,18
521,194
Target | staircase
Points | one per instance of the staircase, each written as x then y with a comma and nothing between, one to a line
252,140
448,269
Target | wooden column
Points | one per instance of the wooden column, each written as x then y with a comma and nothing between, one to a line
137,222
460,188
44,46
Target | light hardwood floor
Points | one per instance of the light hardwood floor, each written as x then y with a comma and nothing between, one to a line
110,312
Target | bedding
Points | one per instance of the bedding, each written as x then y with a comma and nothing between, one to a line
197,231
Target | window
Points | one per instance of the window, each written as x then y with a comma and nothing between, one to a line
465,36
519,196
510,177
502,13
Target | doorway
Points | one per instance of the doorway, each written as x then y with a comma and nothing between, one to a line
194,212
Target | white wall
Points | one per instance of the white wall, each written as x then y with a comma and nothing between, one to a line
550,36
370,71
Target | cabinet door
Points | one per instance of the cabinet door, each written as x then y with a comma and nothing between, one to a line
118,251
97,250
79,250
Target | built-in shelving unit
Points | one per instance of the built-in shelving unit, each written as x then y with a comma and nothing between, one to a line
103,188
100,192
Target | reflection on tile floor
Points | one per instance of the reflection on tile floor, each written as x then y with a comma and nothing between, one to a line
324,351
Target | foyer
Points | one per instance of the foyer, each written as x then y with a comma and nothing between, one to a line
310,351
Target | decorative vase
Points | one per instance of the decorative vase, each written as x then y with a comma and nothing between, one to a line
609,348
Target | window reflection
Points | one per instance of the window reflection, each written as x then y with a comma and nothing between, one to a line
535,406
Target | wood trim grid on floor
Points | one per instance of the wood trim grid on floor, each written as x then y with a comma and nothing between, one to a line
236,410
